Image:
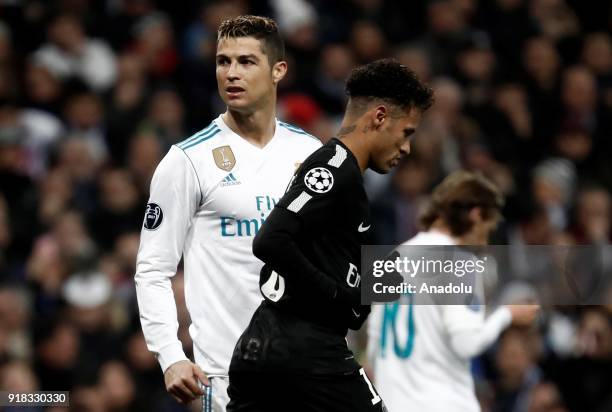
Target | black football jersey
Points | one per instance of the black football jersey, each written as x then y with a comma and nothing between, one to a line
328,198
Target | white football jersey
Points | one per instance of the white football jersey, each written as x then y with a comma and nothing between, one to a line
416,367
209,196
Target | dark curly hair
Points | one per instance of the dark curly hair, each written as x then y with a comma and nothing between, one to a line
261,28
390,81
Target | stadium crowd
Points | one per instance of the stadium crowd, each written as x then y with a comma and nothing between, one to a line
93,93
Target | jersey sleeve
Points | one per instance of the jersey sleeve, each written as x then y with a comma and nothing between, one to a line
174,197
469,332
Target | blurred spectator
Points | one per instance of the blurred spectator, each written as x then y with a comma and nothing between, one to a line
576,144
128,104
532,227
118,208
200,40
444,129
297,21
70,53
335,65
396,210
368,42
37,132
593,216
64,249
541,62
14,321
447,29
545,397
417,59
597,54
145,152
80,159
90,309
166,117
509,25
145,371
554,182
126,248
44,89
8,76
591,363
19,192
55,196
154,44
87,399
123,14
17,376
554,18
579,98
57,354
518,372
84,114
117,388
594,338
303,111
5,233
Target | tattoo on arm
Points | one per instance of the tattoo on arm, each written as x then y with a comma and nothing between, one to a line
346,130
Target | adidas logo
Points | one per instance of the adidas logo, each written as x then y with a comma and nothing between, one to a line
230,180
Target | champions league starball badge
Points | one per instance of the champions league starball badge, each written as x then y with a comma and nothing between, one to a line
319,180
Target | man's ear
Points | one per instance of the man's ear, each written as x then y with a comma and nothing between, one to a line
380,116
279,69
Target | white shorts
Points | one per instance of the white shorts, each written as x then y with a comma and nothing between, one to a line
215,397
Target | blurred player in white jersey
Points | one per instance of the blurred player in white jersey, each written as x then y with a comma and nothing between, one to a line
421,354
209,196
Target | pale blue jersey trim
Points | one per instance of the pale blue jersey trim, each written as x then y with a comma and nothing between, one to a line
198,134
296,129
204,138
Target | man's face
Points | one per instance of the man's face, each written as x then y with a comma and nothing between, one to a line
393,140
245,80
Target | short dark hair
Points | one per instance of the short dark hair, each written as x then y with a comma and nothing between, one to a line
262,28
458,193
390,81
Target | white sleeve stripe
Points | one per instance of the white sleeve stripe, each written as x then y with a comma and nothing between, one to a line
339,157
299,202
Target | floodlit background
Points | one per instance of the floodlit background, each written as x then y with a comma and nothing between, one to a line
93,93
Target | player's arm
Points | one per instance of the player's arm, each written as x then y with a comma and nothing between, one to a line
470,334
173,200
373,343
303,209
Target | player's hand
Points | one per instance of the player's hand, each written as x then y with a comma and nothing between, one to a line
183,381
523,315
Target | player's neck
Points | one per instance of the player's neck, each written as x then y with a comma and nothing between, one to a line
352,137
257,127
